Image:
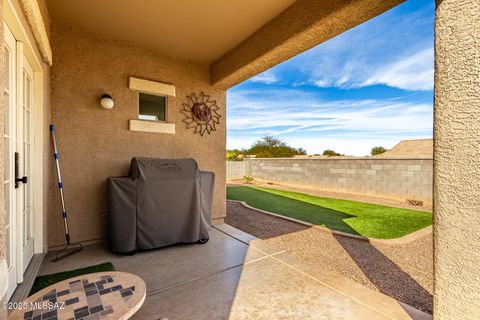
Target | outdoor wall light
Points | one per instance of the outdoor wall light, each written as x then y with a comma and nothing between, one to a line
106,101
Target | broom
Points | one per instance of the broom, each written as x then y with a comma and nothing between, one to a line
70,248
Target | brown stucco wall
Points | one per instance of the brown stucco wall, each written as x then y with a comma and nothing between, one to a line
42,4
47,113
457,156
95,143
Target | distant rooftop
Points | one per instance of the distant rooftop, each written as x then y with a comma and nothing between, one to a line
411,148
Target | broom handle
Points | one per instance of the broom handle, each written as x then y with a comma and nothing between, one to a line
60,185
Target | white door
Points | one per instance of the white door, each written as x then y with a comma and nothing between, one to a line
25,151
9,135
18,140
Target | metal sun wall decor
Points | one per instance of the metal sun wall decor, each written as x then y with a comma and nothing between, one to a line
201,113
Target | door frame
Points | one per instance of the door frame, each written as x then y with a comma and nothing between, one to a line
13,21
11,235
23,69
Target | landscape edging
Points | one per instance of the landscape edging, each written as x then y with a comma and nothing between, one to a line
402,240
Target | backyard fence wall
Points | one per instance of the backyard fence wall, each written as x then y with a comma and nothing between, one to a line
237,169
389,178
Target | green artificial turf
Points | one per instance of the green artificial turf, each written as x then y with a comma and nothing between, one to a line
359,218
45,281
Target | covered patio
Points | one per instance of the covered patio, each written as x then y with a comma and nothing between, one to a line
236,276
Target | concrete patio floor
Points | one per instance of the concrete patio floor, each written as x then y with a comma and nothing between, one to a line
235,276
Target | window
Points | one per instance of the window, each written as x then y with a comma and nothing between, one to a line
152,107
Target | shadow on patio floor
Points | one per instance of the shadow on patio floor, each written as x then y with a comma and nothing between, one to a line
356,259
384,274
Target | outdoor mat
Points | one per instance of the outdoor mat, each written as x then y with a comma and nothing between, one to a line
47,280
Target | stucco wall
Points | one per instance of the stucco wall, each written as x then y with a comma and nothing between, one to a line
397,179
95,143
457,156
47,118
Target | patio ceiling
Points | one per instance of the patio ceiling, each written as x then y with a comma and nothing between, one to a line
199,31
237,38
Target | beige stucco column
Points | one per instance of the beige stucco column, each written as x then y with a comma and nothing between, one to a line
457,160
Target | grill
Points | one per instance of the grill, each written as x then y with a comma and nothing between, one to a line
161,202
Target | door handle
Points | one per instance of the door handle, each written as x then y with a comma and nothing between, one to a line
23,179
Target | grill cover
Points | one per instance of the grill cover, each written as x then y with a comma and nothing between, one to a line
161,202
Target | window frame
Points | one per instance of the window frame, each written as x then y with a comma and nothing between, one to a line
158,95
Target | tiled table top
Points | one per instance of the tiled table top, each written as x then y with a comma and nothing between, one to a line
103,295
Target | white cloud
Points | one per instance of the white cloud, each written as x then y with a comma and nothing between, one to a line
322,83
309,113
394,49
353,126
414,72
266,77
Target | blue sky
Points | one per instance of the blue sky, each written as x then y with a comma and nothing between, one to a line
370,86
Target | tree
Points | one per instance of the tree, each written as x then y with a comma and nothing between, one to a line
377,150
234,155
301,151
270,147
331,153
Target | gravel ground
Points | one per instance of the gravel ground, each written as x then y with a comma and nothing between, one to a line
402,271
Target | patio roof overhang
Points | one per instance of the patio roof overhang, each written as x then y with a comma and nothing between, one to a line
238,39
198,31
